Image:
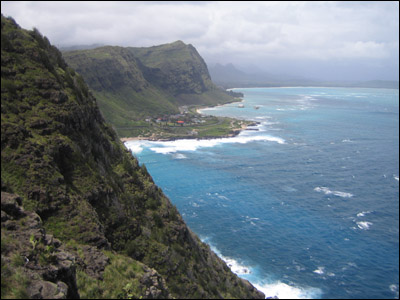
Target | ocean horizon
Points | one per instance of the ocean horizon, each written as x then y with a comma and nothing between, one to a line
303,205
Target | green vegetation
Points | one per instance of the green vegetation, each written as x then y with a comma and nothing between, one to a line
93,223
134,84
121,280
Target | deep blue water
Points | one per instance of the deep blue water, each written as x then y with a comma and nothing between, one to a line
307,206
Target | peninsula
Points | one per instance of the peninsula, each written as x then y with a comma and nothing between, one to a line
154,92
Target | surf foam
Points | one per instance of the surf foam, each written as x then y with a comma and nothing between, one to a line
364,225
327,191
285,291
271,289
192,145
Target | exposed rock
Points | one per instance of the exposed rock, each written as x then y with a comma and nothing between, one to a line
95,262
155,286
48,290
86,197
49,268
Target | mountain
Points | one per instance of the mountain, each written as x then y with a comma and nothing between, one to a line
228,73
228,76
132,84
79,216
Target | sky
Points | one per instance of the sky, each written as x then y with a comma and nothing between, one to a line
324,40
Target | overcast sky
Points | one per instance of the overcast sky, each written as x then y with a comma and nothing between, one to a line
320,40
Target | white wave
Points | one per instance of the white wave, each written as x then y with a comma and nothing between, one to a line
285,291
134,146
347,141
289,189
320,270
394,288
396,177
234,265
362,214
180,156
327,191
192,145
364,225
270,289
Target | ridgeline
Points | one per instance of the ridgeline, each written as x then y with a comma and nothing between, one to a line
136,86
80,218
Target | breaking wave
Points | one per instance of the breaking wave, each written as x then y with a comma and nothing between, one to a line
192,145
327,191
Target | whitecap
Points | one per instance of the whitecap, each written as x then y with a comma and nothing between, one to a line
223,198
396,177
362,214
319,271
327,191
289,189
364,225
394,288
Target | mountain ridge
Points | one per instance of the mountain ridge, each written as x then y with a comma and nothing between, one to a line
80,216
132,83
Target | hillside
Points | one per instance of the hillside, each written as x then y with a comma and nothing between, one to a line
132,84
80,217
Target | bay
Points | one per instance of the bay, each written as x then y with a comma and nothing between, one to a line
304,205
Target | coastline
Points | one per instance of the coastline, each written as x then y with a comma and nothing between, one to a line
234,130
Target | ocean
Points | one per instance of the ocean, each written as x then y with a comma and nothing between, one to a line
303,205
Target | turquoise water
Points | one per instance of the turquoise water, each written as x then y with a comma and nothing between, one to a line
305,205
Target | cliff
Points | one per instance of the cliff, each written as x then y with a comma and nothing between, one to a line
80,217
132,84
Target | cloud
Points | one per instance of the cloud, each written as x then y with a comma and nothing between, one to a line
239,32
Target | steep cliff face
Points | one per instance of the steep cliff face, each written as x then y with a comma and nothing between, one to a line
176,67
93,223
134,83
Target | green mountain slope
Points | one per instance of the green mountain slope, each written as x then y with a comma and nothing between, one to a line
80,217
132,84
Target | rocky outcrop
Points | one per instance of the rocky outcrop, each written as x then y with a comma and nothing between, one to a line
175,67
47,268
94,224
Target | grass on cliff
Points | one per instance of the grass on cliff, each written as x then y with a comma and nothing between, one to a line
121,280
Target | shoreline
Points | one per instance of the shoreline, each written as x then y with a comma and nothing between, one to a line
234,131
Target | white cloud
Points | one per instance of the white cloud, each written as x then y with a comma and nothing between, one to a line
228,31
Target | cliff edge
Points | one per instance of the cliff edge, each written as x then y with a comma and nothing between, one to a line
80,217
